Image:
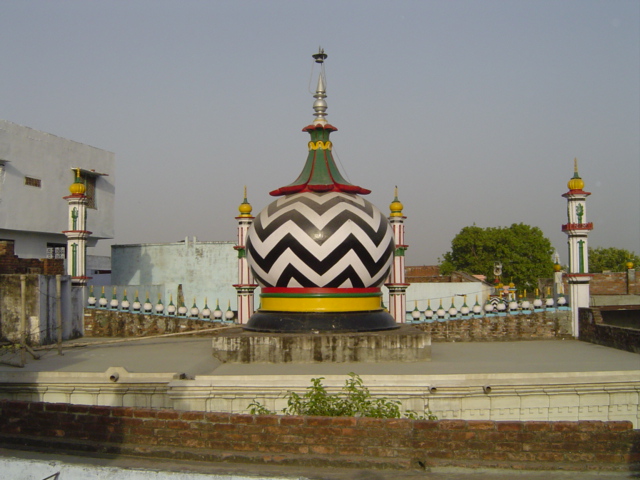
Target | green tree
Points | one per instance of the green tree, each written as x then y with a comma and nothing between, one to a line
611,259
524,252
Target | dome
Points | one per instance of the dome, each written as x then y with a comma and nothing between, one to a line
245,208
77,187
575,183
320,252
396,206
320,240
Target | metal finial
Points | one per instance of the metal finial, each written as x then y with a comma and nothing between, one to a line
320,57
320,106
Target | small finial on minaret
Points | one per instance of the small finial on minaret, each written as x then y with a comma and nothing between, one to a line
575,165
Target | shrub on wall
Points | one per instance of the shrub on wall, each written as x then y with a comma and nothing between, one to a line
355,401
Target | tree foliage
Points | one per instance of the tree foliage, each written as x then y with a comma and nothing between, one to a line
355,401
524,252
612,259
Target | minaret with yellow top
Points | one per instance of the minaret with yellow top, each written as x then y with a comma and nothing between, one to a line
397,284
577,228
77,233
246,284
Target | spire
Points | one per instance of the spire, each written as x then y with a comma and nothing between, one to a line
320,106
320,172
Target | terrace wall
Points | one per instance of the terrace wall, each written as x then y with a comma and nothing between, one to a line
322,441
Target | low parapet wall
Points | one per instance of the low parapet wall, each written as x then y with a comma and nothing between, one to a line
534,326
593,329
327,441
116,323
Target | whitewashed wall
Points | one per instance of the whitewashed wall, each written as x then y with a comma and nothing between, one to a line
205,269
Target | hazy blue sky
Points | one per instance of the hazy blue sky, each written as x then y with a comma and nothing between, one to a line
474,109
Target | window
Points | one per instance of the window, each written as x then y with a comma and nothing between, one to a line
56,250
33,182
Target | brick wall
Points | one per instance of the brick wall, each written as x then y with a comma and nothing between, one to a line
593,329
417,273
616,283
321,441
113,323
535,326
10,263
613,283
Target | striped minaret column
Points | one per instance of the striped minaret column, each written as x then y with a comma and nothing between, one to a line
397,284
577,228
246,284
77,233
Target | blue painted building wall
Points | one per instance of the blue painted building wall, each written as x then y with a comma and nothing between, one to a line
204,269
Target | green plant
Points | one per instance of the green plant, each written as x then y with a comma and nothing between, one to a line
355,401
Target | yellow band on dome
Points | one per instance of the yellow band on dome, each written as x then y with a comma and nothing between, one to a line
320,304
320,145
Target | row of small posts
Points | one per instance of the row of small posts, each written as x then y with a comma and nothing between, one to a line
171,310
495,306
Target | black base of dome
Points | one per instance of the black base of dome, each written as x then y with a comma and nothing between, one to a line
289,322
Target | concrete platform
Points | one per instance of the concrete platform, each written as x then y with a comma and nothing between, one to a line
533,380
405,344
192,356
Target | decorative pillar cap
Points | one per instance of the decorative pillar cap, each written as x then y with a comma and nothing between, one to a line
576,182
396,206
245,207
78,187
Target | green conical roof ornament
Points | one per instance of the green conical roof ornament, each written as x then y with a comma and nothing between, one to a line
320,172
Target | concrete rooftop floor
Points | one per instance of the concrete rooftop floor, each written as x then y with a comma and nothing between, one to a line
193,356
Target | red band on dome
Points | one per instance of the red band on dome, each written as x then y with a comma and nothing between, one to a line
317,290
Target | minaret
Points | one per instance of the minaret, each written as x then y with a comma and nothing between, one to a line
397,284
77,233
246,285
577,229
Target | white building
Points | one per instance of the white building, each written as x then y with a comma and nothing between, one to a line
36,170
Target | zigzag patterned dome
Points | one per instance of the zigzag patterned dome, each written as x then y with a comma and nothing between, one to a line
320,252
323,240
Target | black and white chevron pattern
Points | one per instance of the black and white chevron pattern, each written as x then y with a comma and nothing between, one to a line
330,240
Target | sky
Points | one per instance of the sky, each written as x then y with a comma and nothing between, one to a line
474,109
